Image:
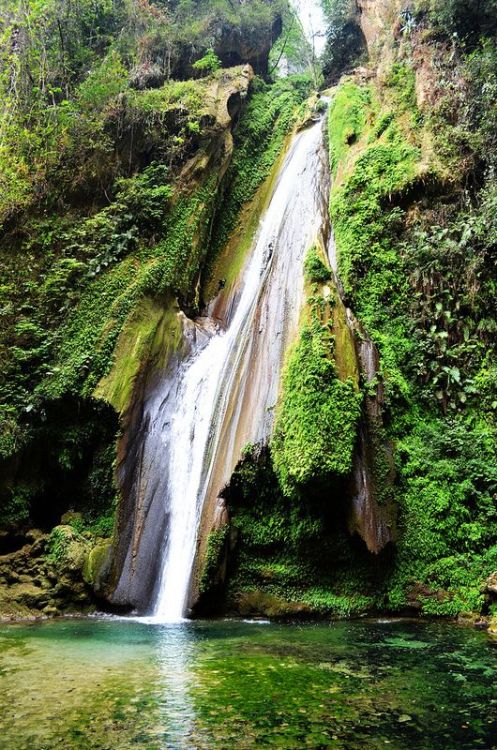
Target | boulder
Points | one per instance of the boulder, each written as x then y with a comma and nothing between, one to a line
68,549
490,587
31,596
492,626
97,566
258,603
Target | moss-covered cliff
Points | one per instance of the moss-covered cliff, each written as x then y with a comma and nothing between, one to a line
412,147
131,150
412,153
120,182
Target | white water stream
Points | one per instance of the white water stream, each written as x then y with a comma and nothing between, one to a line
226,392
218,394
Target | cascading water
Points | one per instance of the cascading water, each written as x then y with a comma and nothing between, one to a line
216,393
226,391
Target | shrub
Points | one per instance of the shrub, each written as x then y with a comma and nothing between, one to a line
209,63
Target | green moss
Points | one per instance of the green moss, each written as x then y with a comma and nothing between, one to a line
216,550
373,175
449,518
317,416
316,270
294,554
415,292
349,115
362,227
344,349
66,549
401,84
150,334
96,563
88,339
90,267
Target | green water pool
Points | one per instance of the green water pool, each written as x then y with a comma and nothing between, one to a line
121,684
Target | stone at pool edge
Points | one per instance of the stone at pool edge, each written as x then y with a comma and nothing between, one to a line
35,586
478,621
97,565
490,591
490,588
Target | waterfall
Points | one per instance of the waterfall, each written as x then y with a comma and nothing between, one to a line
224,394
192,418
217,394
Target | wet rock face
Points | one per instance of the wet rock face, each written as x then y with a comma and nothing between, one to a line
233,44
377,17
141,523
97,567
253,47
373,513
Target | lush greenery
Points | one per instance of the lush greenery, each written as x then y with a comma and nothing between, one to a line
96,223
375,158
121,181
417,256
413,206
294,555
468,20
317,417
122,178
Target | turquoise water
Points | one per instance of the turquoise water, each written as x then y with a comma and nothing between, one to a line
116,685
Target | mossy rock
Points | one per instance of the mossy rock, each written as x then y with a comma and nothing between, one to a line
31,596
250,603
70,517
492,626
97,565
469,618
320,404
67,549
150,335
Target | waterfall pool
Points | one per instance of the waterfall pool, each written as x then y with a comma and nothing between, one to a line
116,685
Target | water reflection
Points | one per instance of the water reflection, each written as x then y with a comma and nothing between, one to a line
127,685
175,653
